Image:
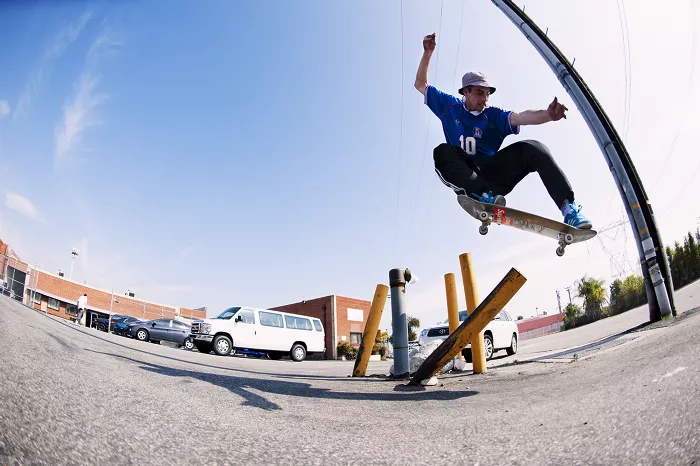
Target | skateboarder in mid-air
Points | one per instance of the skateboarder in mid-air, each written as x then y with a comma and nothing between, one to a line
472,161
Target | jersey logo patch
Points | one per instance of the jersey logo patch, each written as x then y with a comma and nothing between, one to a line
477,132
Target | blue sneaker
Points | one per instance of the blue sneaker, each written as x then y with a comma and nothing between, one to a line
575,218
489,198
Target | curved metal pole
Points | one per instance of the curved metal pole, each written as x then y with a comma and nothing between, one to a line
657,275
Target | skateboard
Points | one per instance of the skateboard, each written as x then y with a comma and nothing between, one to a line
490,213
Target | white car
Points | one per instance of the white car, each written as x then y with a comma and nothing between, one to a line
500,333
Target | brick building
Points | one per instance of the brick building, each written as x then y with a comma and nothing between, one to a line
57,295
343,318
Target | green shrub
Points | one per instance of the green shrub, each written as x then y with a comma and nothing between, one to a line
346,349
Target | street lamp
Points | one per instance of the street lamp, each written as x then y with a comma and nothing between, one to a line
74,255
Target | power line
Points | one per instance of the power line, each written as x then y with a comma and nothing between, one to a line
398,186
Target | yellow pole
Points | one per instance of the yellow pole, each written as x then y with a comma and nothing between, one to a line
467,331
472,298
452,306
371,327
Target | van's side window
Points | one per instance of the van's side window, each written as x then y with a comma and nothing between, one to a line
317,326
298,323
247,317
270,319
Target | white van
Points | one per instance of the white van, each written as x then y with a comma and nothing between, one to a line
273,332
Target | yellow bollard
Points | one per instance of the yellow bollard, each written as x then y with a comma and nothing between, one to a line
472,297
371,327
452,306
467,331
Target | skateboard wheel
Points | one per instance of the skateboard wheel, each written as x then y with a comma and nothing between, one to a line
483,215
560,251
568,238
483,229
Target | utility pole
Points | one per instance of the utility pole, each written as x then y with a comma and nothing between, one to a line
568,290
559,301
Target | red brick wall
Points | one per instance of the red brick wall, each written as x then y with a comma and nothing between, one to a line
315,308
69,292
538,322
343,325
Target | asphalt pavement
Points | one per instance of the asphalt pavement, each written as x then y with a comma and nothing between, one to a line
74,395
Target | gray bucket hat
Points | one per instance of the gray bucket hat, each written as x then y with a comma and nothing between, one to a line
475,78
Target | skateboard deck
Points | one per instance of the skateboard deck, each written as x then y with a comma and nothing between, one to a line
490,213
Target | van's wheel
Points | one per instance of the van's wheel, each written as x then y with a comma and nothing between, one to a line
513,346
203,347
298,352
274,355
222,345
142,334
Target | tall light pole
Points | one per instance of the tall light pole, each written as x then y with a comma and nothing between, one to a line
75,255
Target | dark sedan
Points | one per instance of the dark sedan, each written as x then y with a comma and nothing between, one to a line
101,323
161,330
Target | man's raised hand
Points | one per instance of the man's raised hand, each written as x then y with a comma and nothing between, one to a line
429,42
556,110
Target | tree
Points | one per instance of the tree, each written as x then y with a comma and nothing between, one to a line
413,322
593,293
572,316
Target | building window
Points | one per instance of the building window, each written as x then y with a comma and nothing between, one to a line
355,338
71,309
355,315
37,298
54,304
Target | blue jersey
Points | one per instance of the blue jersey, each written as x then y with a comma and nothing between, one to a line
479,135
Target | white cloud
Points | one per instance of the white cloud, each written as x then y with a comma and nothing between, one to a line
58,46
79,113
22,205
4,108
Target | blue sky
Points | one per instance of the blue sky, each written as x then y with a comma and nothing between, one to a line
215,153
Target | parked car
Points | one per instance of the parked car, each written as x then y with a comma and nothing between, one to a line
101,323
501,333
120,328
161,330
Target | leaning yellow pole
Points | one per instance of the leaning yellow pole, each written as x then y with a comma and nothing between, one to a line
469,329
371,327
472,297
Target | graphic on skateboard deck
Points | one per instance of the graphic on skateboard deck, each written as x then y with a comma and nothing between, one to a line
490,213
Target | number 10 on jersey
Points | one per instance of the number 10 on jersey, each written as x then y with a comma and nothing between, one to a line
468,144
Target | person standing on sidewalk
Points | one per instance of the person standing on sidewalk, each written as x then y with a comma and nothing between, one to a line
82,305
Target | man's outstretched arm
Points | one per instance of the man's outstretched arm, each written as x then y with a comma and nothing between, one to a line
422,73
554,112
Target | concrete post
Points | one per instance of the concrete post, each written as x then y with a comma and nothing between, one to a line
399,321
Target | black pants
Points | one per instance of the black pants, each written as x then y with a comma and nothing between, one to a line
502,171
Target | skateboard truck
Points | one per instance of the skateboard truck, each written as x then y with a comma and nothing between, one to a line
564,240
485,222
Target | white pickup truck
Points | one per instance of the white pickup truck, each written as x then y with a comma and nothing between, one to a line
273,332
